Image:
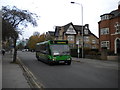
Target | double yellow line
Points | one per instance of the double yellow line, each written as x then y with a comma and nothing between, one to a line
30,76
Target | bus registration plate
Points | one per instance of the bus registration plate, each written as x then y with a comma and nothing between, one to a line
61,62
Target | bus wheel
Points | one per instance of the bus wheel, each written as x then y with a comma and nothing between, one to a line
69,63
50,63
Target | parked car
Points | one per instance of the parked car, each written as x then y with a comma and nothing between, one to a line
24,50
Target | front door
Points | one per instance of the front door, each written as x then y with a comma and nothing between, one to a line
118,46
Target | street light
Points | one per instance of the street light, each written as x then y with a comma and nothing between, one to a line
82,25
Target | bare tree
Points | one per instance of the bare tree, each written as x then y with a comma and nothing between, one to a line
16,18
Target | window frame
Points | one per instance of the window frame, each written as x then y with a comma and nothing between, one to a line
70,37
104,31
106,44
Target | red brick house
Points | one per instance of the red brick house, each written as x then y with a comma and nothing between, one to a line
109,31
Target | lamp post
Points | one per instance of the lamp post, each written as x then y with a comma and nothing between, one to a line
82,26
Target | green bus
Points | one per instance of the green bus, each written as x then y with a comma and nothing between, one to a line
53,51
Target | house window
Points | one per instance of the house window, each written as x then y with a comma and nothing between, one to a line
93,41
104,31
86,39
94,47
117,27
105,44
86,31
70,38
87,45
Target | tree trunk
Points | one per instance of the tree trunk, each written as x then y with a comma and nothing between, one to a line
15,51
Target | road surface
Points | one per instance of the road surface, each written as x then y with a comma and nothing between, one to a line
76,75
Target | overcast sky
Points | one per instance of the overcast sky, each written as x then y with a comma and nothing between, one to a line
61,12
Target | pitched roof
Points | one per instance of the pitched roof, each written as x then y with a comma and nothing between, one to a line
77,28
67,26
115,13
57,29
51,33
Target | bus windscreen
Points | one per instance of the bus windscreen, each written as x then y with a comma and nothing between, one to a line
60,50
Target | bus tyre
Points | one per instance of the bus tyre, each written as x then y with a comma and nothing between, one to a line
69,63
50,63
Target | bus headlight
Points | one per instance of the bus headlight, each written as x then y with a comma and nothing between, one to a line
54,59
56,53
69,59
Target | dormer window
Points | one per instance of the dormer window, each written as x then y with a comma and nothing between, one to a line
70,37
104,17
86,30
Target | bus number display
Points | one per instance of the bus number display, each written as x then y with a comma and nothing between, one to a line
59,42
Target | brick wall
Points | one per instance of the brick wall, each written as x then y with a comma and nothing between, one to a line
110,23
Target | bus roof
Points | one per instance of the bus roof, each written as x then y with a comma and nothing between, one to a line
42,42
54,42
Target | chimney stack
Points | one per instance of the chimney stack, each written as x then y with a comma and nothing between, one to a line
119,5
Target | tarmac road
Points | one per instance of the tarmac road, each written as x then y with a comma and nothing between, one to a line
0,70
76,75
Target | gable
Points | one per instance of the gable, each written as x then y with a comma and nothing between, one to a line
70,30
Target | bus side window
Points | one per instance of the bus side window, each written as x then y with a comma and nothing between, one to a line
42,48
47,49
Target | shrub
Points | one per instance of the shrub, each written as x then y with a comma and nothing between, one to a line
74,52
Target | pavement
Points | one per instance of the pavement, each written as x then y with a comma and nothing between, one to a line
113,64
93,60
12,74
